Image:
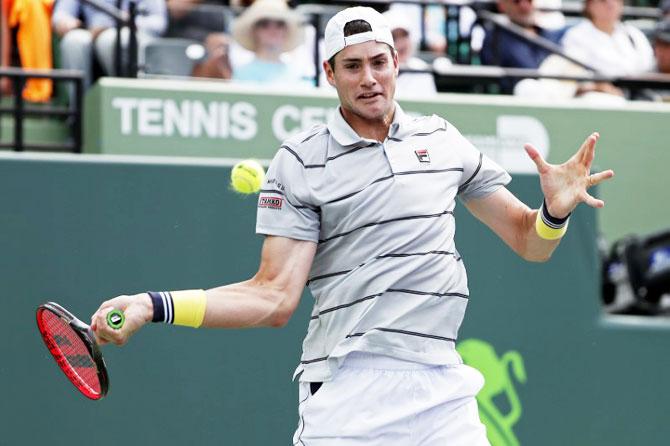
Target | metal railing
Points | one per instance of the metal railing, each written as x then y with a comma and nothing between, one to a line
20,110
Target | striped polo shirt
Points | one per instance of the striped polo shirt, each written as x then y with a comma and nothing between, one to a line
387,278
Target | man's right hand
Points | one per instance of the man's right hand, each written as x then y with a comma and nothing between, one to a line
138,310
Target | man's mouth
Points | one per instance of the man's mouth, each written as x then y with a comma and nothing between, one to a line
368,95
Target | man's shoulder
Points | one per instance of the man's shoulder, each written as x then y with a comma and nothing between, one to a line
307,145
427,123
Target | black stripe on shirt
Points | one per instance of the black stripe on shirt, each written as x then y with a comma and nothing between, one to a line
339,307
390,290
426,293
306,166
479,166
405,332
350,151
383,222
388,177
383,256
310,361
440,129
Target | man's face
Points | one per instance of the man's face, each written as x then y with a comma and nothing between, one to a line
662,52
521,12
365,76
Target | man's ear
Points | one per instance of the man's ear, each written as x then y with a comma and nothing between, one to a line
396,63
330,75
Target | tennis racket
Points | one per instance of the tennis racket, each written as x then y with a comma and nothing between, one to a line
72,344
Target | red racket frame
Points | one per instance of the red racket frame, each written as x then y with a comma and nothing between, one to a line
84,333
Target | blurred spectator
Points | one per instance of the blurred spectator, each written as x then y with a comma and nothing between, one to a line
202,21
665,9
504,49
605,43
662,53
432,19
268,28
31,20
195,19
406,43
662,47
550,19
86,31
217,64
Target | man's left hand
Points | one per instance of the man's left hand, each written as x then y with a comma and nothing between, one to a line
565,185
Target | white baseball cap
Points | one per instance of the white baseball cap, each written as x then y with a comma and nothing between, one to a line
334,36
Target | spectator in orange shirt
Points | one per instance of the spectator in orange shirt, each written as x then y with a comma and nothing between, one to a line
31,19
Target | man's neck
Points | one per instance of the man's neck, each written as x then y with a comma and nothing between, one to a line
377,129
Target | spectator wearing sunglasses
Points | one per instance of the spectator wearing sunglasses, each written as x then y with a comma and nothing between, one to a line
268,28
502,48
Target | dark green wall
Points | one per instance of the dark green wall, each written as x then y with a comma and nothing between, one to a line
79,232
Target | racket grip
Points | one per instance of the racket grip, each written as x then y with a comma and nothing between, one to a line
116,319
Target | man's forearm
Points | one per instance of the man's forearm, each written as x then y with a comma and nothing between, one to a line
534,248
247,304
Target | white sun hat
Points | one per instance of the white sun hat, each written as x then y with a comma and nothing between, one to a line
334,36
272,10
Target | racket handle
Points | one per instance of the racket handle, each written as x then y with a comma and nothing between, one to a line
115,319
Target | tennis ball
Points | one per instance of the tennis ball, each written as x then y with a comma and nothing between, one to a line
247,177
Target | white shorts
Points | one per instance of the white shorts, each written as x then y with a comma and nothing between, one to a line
380,401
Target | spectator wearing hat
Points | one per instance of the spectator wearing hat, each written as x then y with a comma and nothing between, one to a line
606,44
268,28
406,43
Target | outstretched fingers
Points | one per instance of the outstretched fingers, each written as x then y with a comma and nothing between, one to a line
599,177
587,151
592,201
534,154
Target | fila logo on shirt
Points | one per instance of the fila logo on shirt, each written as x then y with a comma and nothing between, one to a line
422,155
270,202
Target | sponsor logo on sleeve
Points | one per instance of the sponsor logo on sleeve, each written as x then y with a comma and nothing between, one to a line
270,202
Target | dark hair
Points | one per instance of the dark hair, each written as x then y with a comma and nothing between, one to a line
351,28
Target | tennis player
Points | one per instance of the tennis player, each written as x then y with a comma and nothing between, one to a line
362,209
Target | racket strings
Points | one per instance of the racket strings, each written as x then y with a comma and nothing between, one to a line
70,353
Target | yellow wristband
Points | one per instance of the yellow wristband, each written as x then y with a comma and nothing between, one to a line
547,230
189,307
179,307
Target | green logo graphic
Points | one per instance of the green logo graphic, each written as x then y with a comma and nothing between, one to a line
500,374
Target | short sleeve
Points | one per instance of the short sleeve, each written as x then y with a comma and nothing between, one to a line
481,175
284,208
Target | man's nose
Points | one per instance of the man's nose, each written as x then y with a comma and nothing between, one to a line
367,76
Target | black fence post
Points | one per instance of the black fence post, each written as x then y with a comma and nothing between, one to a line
78,115
132,44
18,113
117,44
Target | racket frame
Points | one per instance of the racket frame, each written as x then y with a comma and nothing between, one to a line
86,335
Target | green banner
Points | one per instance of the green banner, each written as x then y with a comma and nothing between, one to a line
217,119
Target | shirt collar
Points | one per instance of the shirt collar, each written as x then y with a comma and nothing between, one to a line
342,132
